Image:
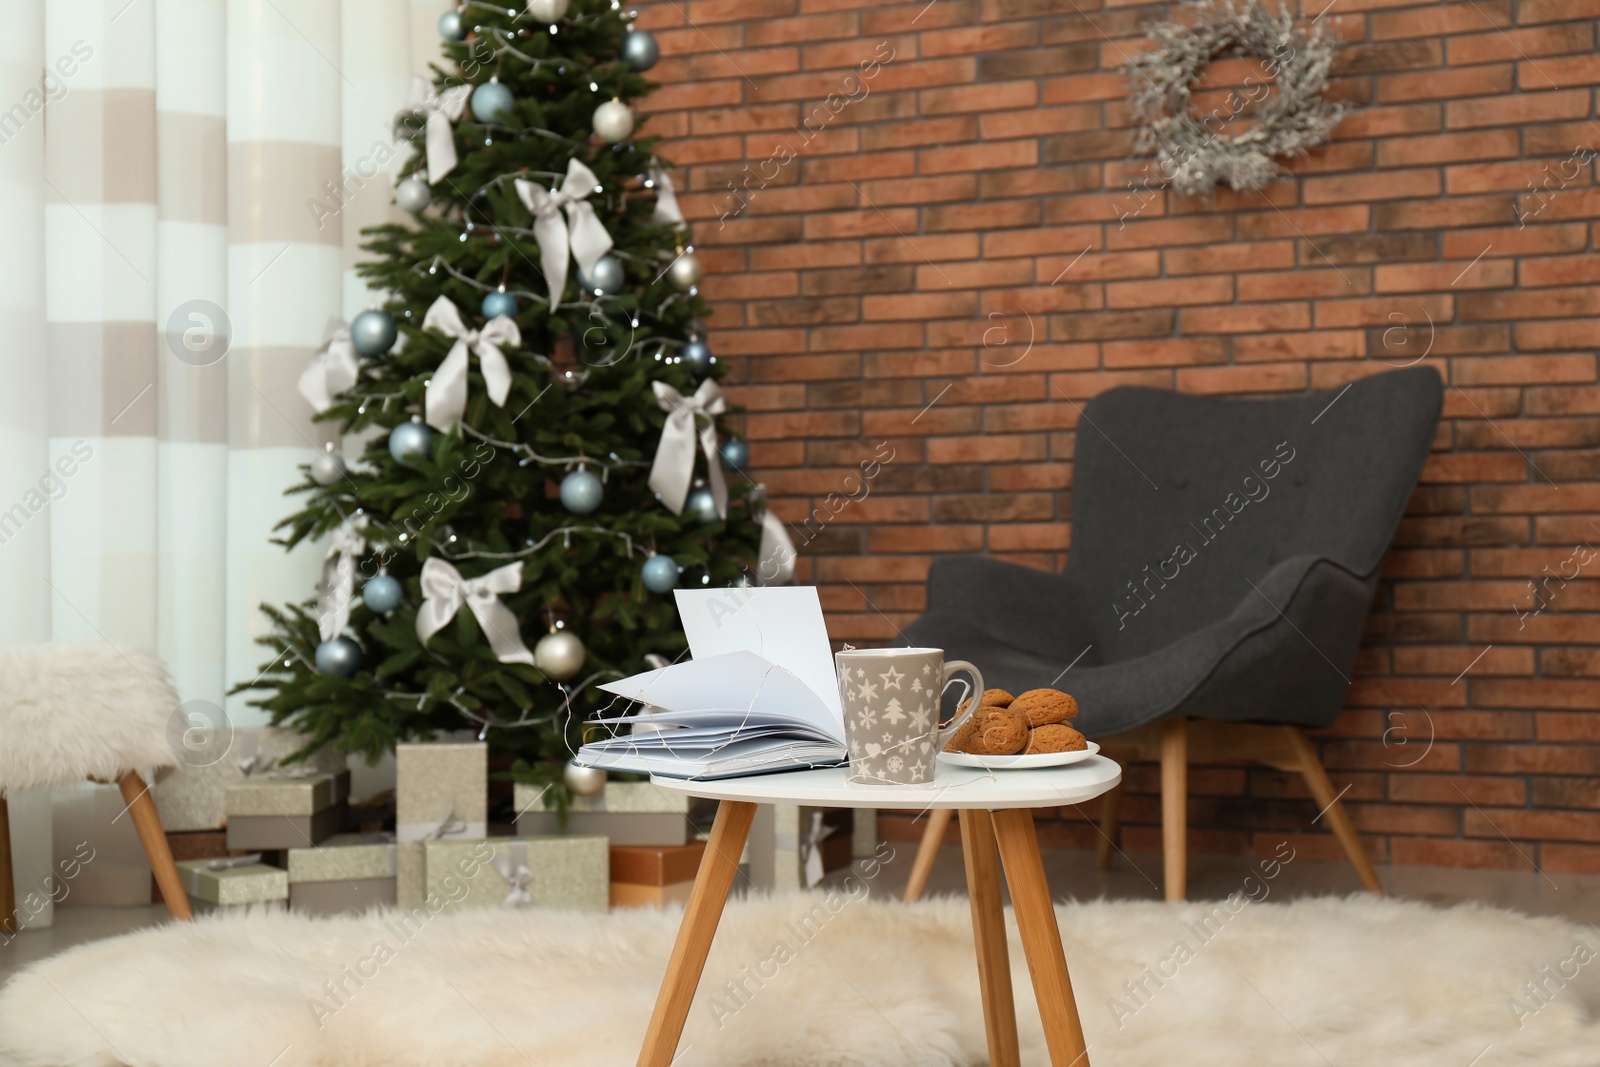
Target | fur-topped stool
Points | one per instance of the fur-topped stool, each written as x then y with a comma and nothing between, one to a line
70,711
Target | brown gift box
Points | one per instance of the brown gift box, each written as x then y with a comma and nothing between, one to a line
653,875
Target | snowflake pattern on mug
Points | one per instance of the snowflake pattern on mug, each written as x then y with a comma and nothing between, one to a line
892,715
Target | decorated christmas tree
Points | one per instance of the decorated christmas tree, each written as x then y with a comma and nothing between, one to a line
545,454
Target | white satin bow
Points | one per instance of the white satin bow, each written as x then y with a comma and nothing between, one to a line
338,581
444,591
579,235
446,398
777,551
518,877
443,111
333,367
667,209
673,468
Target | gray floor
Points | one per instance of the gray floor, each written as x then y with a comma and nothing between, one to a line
1072,875
1138,877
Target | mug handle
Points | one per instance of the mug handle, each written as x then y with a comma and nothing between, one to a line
945,733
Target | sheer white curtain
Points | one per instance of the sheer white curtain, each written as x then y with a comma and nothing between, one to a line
174,172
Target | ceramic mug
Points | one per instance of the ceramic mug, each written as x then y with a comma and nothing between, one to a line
891,699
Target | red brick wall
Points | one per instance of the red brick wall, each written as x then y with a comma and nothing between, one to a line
944,259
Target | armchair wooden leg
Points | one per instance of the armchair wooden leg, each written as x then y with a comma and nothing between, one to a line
1327,798
1110,827
142,809
1175,806
8,889
927,852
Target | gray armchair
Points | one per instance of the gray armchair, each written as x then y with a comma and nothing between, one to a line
1225,552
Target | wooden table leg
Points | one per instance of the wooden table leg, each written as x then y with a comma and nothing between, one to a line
8,889
927,852
989,933
142,809
1041,938
718,867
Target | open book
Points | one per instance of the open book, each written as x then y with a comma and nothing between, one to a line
758,696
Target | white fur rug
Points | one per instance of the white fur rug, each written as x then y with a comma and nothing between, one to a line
825,981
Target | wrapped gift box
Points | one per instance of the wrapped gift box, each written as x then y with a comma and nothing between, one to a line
627,813
346,873
792,846
219,883
441,794
191,796
569,871
653,875
270,812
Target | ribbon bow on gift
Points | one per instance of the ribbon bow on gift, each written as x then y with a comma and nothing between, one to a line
667,209
333,367
338,581
446,398
673,468
443,111
444,591
579,235
452,825
514,869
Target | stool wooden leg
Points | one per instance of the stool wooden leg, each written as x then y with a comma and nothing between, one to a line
8,888
1041,938
136,795
1110,827
718,867
927,852
989,934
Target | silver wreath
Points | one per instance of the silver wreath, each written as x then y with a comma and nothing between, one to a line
1192,152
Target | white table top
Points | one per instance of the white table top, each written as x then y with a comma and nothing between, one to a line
952,787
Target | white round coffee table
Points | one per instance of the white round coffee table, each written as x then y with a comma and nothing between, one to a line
996,815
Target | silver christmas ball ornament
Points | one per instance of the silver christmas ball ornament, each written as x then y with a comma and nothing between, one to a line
410,441
340,656
382,593
583,781
607,277
660,574
581,492
451,28
640,50
613,121
373,332
701,506
327,467
548,11
686,272
735,454
412,195
559,655
499,303
697,355
491,102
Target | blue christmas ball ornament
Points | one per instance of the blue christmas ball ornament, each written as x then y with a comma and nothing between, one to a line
450,26
373,332
697,354
382,593
499,303
581,492
341,657
701,506
735,454
491,102
660,574
409,441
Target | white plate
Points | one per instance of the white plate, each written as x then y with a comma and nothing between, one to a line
1018,763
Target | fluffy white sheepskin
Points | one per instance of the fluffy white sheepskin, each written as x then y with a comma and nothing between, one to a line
76,710
814,981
